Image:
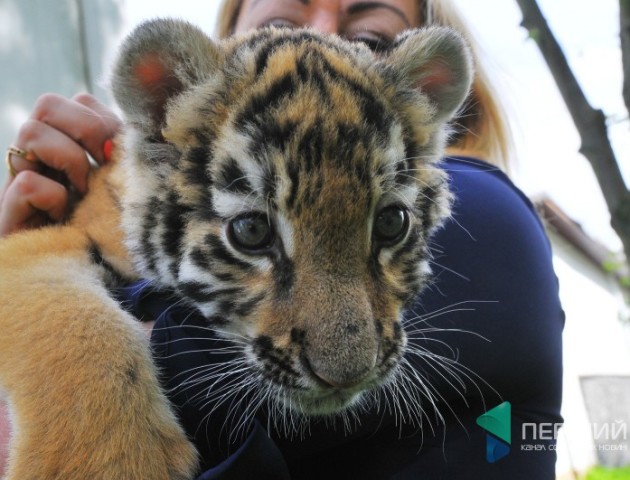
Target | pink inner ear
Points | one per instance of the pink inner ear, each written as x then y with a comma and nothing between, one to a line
436,76
158,84
151,72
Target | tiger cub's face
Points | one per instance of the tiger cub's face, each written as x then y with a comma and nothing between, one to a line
285,183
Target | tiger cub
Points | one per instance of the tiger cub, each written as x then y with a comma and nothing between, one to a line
285,184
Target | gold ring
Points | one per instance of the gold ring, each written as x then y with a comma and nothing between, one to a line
18,152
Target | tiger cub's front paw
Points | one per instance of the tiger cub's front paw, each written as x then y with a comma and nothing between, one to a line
132,443
174,457
157,445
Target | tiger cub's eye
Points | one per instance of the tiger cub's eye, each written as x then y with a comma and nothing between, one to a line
391,224
251,233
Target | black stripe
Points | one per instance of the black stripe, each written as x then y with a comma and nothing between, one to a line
232,178
427,201
310,146
376,270
200,258
351,136
260,37
197,173
196,165
402,175
148,251
196,291
313,192
310,75
270,183
230,292
294,176
263,345
374,111
405,168
224,276
174,222
263,56
271,46
203,293
270,132
112,277
245,308
218,321
402,295
282,88
283,275
298,336
409,246
219,252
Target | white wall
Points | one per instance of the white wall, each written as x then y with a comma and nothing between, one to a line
596,342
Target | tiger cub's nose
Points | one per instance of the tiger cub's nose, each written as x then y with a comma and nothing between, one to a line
340,375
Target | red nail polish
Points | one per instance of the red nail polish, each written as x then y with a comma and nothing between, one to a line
108,146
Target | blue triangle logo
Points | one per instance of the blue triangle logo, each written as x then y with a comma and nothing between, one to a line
495,449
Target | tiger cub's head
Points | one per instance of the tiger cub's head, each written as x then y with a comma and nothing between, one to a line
286,183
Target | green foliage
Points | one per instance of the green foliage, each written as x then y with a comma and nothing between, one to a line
611,265
617,267
534,34
602,473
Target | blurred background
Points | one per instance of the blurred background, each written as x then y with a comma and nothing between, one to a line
67,46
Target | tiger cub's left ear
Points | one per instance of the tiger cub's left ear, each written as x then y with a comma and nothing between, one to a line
437,62
159,60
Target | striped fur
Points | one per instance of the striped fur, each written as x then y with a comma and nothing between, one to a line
318,136
285,184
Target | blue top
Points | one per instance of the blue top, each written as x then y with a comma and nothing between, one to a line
492,311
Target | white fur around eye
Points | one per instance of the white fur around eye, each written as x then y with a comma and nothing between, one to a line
405,195
208,310
188,271
229,204
391,157
236,145
284,229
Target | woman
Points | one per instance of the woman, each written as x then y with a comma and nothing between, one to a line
493,279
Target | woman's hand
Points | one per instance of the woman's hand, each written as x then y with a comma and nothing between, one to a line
56,138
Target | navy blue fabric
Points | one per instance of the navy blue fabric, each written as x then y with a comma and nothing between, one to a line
493,307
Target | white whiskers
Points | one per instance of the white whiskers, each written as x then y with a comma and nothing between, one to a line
417,396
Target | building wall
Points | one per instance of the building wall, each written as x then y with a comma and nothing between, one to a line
596,342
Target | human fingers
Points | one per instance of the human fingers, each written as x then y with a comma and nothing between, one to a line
50,150
30,200
110,121
83,120
55,142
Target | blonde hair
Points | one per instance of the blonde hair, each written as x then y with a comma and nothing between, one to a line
483,130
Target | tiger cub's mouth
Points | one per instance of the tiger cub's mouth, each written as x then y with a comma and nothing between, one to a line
323,400
325,403
298,387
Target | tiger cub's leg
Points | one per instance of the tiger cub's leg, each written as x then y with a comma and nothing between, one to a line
84,393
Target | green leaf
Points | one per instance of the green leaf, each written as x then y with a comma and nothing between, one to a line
534,34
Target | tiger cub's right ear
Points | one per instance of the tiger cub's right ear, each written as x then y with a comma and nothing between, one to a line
158,61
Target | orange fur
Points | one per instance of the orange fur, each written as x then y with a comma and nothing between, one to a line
86,403
76,368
